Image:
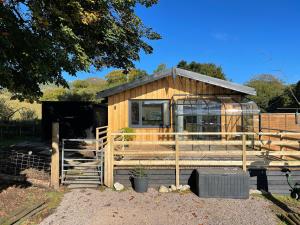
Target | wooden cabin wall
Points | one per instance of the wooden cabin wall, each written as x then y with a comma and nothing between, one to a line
164,88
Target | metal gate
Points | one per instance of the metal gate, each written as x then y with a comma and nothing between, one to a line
82,161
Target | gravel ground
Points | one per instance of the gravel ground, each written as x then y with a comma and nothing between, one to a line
95,207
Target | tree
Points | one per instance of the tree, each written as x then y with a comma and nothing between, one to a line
118,77
41,39
267,87
52,94
5,110
160,68
290,98
208,69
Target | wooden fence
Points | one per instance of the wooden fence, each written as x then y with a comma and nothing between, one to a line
173,151
280,122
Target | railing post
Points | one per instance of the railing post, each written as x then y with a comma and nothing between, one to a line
97,139
281,147
244,153
55,156
177,171
111,163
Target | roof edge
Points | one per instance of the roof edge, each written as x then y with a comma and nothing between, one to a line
215,81
178,72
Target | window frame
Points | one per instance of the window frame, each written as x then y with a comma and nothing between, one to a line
140,125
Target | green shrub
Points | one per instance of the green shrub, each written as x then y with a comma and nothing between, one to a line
128,130
139,172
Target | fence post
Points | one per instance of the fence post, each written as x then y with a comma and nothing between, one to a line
111,159
55,156
97,139
244,153
177,171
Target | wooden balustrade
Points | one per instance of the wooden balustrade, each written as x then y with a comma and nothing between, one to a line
119,155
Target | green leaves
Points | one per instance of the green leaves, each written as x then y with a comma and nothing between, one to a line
267,87
41,39
208,69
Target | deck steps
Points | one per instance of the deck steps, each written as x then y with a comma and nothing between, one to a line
87,177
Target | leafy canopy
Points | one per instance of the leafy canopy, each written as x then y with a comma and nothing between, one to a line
208,69
39,39
267,87
290,98
118,77
80,90
160,68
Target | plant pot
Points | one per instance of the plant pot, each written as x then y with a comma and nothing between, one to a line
140,184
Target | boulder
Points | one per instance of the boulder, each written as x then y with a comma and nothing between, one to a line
185,187
173,187
163,189
254,191
118,186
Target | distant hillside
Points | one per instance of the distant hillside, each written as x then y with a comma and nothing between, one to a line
19,110
80,90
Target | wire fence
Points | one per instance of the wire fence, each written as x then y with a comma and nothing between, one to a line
14,163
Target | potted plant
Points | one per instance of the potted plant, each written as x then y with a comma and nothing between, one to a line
139,179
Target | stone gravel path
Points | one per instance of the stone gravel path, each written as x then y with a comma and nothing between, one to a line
108,207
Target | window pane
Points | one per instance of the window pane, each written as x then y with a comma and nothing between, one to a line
152,114
135,113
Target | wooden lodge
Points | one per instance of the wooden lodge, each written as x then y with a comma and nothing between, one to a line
176,121
184,120
178,100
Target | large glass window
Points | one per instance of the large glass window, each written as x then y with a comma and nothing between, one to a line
149,113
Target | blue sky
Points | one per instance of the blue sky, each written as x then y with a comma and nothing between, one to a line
244,37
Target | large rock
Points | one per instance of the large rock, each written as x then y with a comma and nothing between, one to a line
173,187
254,191
185,188
163,189
118,186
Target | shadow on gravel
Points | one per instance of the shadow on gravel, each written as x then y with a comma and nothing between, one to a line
278,203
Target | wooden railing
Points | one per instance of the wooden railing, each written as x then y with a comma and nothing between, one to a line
122,152
101,134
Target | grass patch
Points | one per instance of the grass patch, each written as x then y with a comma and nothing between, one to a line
53,200
281,204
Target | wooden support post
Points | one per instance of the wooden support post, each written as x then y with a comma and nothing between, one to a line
244,153
106,164
97,143
97,140
281,147
55,157
107,159
177,161
111,158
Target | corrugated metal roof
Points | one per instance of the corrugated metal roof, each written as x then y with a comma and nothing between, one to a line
178,72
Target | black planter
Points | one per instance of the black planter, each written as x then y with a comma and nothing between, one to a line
140,184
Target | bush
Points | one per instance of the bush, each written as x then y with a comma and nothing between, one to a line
128,130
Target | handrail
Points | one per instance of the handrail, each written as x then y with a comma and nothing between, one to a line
207,133
177,156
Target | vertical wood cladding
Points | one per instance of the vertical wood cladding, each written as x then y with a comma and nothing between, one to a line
164,88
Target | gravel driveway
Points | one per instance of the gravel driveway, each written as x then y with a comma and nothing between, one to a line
94,207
